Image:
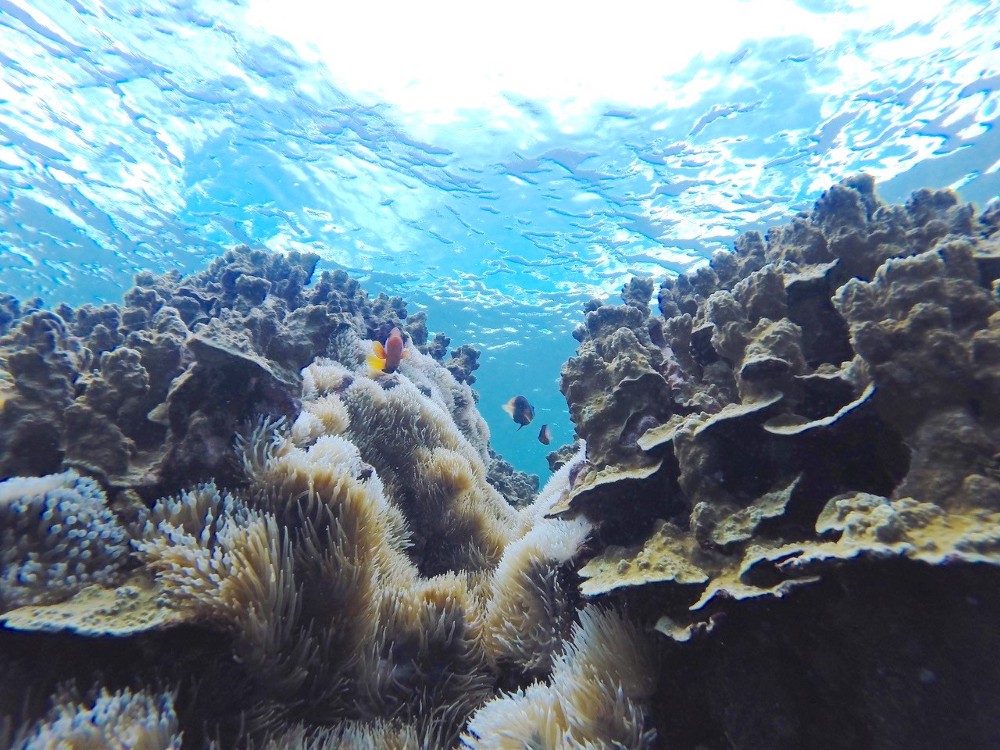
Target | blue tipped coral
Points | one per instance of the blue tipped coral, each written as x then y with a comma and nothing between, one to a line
121,719
57,535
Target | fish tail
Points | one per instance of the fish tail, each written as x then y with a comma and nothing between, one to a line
375,363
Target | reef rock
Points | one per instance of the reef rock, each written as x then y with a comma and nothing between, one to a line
818,408
353,565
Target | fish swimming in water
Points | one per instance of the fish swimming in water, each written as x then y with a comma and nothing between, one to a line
520,410
386,358
545,435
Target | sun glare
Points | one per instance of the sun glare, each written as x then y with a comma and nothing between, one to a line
435,60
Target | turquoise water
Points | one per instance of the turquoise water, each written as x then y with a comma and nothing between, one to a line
495,171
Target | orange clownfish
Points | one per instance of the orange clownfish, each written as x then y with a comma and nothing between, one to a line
387,358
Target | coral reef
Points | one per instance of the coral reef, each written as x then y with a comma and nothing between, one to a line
464,361
814,409
779,528
336,562
518,487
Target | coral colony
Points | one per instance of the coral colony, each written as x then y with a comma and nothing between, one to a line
779,526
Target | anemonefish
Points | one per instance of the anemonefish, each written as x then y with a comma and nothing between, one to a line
520,410
545,435
386,358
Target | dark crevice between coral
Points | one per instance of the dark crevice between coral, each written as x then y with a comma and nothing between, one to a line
877,655
212,688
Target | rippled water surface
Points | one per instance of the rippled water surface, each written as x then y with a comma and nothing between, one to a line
495,169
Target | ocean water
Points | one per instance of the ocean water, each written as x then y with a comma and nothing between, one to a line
496,169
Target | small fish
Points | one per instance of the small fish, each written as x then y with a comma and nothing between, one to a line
520,410
386,358
545,435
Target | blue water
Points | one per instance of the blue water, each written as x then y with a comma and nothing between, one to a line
496,171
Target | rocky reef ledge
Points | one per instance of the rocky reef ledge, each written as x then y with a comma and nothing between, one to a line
794,476
780,527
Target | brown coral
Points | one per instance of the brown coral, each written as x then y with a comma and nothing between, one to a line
830,414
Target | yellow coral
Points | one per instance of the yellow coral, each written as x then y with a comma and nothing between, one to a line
232,566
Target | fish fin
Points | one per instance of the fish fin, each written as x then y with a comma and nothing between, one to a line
519,427
378,349
509,408
405,354
375,362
